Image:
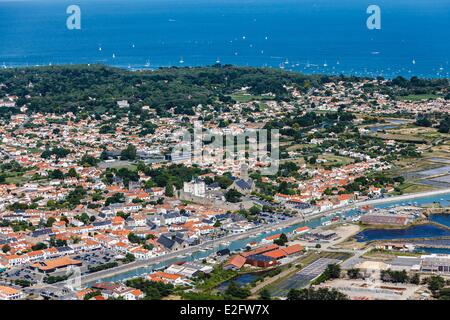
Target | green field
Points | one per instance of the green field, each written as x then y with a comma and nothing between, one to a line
417,97
244,98
410,187
336,160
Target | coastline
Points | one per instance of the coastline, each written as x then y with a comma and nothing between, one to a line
143,68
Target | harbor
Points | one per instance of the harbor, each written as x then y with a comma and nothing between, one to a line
239,242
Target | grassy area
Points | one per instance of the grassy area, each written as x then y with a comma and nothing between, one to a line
417,97
215,278
16,179
398,137
336,160
418,132
388,255
410,187
244,97
298,146
406,165
118,164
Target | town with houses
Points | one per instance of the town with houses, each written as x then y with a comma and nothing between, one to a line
100,207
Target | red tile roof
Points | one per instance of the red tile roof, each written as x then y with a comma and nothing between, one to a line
260,250
237,261
296,248
276,254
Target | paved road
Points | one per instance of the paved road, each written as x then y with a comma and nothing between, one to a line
187,251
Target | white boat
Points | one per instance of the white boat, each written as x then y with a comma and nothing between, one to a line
114,56
218,60
181,60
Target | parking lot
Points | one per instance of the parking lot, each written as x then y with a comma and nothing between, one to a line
10,276
95,258
27,273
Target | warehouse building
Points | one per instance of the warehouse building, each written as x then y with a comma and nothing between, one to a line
435,263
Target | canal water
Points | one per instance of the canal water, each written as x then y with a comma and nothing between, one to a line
240,281
443,199
391,124
443,219
382,127
433,250
419,231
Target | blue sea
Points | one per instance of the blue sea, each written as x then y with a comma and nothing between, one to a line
310,36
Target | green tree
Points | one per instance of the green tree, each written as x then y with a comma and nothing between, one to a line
72,173
91,295
84,217
313,294
415,279
88,161
233,196
56,174
394,276
50,222
39,246
353,273
6,248
435,283
129,153
133,238
235,291
169,192
265,294
282,240
129,258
